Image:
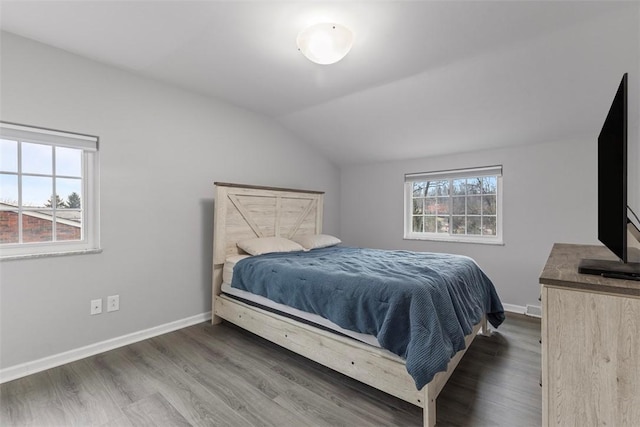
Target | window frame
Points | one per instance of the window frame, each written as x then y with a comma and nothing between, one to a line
450,175
90,225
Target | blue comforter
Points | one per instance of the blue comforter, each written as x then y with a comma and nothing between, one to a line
419,305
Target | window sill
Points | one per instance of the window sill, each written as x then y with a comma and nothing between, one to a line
494,242
50,254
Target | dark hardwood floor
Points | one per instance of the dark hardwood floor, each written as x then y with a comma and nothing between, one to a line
222,376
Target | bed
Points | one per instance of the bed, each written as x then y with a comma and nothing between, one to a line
243,212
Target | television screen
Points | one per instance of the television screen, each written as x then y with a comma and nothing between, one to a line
612,176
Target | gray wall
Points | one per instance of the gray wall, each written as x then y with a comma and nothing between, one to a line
161,149
548,195
634,126
549,189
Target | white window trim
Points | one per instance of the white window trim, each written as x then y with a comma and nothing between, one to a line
90,242
409,234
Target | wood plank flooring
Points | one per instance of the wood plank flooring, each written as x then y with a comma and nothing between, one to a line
222,376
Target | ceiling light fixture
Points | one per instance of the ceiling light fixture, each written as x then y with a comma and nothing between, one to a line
325,43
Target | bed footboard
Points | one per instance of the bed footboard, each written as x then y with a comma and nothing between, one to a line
373,366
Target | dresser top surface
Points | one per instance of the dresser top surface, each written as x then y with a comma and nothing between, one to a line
561,270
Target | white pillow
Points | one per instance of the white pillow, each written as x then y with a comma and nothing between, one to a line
266,245
316,241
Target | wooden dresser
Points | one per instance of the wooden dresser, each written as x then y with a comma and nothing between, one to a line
590,343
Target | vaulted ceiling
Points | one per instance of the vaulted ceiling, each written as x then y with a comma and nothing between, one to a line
423,77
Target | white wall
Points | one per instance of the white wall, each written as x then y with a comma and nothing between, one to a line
549,195
161,149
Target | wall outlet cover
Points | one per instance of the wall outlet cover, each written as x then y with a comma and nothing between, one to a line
113,303
96,306
534,310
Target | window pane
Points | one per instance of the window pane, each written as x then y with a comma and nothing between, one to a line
417,224
474,185
489,184
68,161
473,225
9,189
443,188
430,224
8,226
489,225
430,206
488,205
443,224
473,205
69,191
8,155
37,158
443,205
458,225
68,228
36,191
431,189
459,187
37,226
437,188
419,189
458,206
418,206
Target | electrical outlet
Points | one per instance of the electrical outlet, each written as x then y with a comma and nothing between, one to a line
113,303
96,306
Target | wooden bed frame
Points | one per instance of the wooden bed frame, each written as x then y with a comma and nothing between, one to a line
246,211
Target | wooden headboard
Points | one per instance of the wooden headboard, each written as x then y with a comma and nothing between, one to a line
247,211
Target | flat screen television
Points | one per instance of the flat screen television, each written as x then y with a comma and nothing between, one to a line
613,220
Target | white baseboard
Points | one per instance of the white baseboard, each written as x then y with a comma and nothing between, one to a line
529,310
28,368
511,308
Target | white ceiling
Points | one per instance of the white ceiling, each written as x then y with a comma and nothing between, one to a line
423,77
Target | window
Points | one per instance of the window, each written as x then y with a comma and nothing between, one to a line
456,205
48,191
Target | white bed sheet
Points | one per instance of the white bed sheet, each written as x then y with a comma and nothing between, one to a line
227,276
227,269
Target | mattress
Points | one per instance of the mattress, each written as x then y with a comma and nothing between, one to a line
227,275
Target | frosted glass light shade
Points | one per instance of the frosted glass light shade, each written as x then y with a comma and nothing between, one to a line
325,43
